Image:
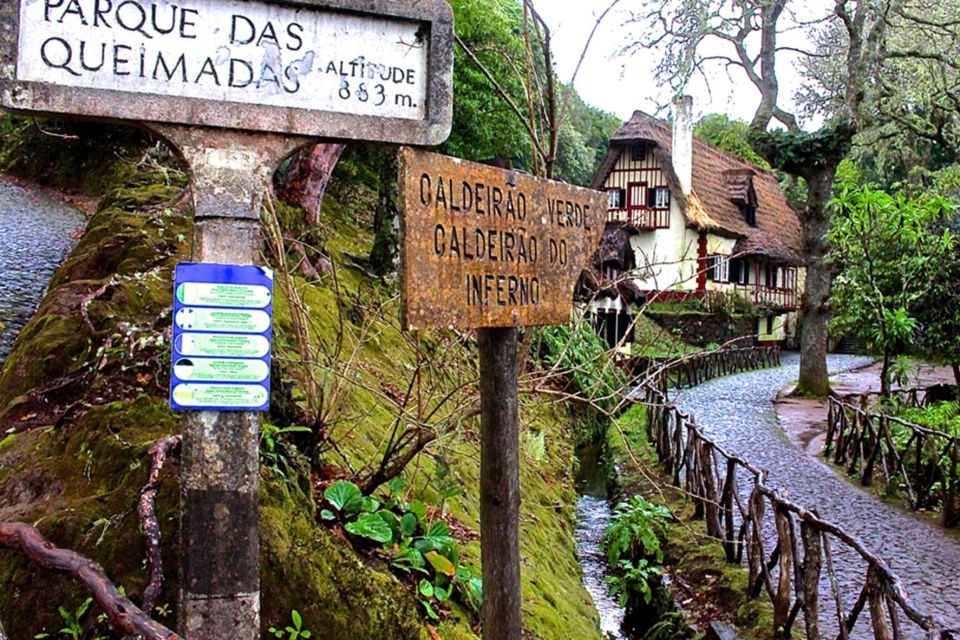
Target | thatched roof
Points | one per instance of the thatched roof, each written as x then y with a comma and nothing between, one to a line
721,182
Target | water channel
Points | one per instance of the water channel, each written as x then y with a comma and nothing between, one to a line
35,238
593,516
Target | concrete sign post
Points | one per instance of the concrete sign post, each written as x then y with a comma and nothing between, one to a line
494,250
235,86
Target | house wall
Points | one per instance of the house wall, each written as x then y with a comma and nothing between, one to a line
626,171
718,245
667,259
606,305
784,328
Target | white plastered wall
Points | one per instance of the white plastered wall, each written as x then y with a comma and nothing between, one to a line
666,259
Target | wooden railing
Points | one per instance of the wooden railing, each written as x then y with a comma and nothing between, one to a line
915,398
642,219
762,295
925,461
785,547
689,371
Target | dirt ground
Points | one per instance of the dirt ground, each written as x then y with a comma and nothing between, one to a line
805,419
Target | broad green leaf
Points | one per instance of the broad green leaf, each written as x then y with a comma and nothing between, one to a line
392,520
426,588
344,496
440,564
397,485
408,525
418,509
372,526
438,533
326,514
297,620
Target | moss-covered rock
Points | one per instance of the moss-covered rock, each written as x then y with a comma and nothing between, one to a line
84,395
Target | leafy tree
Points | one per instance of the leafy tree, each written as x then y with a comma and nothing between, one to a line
484,126
578,159
733,136
938,308
544,104
887,247
916,103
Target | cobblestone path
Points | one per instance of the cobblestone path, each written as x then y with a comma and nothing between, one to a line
737,411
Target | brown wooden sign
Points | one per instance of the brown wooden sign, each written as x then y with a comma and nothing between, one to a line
487,247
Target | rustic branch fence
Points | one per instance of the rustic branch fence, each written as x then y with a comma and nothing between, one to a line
924,462
788,553
692,370
915,398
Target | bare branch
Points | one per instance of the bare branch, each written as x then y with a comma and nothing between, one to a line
122,613
158,452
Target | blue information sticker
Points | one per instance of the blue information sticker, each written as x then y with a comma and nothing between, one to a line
222,323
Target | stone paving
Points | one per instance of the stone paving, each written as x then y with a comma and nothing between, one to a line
738,412
34,239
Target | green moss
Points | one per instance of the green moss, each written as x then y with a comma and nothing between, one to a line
80,480
80,155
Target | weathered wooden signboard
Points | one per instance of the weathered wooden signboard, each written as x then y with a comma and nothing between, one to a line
487,247
355,69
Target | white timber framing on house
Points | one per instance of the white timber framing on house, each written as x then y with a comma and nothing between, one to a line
688,221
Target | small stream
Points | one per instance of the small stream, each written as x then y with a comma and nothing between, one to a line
34,239
593,516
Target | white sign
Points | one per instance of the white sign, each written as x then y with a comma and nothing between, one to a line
246,52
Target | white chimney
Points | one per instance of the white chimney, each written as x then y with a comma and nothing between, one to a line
683,142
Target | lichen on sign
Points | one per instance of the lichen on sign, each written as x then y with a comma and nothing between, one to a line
488,247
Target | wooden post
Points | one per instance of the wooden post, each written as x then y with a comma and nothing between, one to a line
500,484
812,567
495,296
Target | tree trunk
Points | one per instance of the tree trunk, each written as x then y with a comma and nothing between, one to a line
956,377
383,256
815,336
885,376
306,180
